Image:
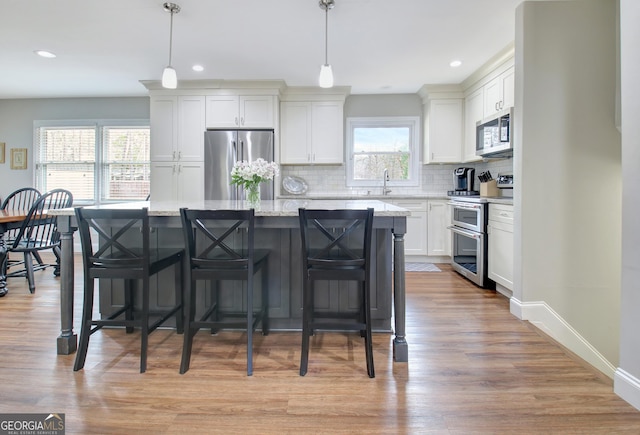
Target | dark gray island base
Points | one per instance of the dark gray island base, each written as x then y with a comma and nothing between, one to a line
276,229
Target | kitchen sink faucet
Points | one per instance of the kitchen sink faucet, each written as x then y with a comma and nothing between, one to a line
385,178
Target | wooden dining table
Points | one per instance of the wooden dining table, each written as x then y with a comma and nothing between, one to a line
9,219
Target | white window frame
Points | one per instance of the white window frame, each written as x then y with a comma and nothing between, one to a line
413,122
98,124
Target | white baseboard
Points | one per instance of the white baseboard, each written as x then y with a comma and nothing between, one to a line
547,320
627,387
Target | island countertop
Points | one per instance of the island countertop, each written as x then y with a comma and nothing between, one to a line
277,207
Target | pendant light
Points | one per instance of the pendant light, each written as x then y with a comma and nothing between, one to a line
169,77
326,73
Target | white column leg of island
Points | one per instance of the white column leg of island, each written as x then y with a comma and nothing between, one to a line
400,346
67,342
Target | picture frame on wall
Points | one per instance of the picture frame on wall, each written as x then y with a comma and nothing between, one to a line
2,148
18,158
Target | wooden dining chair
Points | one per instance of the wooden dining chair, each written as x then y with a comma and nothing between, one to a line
336,246
220,247
20,200
38,232
124,252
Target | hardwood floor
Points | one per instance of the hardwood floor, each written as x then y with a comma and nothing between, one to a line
473,368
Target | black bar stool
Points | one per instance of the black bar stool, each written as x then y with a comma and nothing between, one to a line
220,246
336,245
125,253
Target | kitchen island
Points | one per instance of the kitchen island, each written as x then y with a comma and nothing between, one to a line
277,229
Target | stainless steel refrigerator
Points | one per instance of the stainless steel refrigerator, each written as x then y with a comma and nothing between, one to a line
222,148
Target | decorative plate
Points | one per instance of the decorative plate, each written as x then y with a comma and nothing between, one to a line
294,185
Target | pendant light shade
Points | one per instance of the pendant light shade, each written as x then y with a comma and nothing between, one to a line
326,72
169,76
326,76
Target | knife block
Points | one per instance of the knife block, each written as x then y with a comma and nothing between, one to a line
490,188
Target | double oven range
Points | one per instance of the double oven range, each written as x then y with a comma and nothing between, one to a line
469,217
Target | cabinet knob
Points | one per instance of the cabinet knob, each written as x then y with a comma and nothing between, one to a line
236,120
242,121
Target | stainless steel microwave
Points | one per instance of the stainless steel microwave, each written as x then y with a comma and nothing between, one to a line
494,135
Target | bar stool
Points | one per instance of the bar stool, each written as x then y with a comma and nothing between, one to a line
124,253
336,245
220,246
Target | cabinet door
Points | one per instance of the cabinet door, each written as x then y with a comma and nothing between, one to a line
444,140
327,133
499,93
438,235
295,133
164,128
191,122
222,112
163,181
508,88
415,240
190,185
500,251
473,111
256,112
492,96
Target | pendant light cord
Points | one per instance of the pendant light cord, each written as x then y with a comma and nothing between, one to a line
326,35
170,37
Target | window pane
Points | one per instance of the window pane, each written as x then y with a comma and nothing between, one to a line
126,167
381,139
372,166
66,159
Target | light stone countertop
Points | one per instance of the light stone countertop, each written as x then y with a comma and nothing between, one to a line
278,207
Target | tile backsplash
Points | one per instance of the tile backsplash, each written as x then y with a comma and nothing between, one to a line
434,179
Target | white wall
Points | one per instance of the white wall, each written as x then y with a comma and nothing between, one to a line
16,125
568,168
627,380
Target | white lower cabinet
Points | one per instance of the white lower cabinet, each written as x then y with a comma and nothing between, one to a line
172,181
415,239
500,234
438,235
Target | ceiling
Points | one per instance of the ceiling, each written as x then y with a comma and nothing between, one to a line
375,46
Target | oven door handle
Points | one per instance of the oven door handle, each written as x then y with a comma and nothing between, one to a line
464,232
458,204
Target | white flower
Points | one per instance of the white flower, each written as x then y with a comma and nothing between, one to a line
251,173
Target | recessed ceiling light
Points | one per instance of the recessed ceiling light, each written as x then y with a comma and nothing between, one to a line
45,53
198,68
455,63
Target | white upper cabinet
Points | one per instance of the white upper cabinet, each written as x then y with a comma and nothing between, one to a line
311,132
164,127
443,124
240,111
473,112
191,127
499,93
177,128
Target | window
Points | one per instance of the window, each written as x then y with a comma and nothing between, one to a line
98,161
376,144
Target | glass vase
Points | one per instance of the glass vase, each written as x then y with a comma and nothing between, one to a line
253,195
